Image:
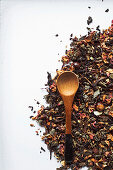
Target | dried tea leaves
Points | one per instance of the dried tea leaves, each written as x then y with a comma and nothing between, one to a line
107,10
90,20
91,58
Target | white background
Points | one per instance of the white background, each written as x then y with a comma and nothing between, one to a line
28,50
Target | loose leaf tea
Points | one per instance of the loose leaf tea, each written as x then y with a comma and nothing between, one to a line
91,58
107,10
90,20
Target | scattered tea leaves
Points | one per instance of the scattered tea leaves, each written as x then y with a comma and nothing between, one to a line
31,107
32,125
56,35
91,58
107,10
90,20
42,149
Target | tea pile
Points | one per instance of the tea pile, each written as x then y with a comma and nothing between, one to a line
91,58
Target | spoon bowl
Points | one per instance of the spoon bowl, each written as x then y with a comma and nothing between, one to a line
67,83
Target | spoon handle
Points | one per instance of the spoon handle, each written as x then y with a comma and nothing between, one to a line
68,119
68,100
68,137
68,149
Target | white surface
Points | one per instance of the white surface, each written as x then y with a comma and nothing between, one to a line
28,50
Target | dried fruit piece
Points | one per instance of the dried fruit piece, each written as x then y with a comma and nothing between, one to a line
100,106
32,125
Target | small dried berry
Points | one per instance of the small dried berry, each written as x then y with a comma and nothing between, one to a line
100,106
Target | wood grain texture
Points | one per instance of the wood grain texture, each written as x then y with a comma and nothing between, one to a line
68,84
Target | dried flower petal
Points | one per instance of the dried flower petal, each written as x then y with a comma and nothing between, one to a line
97,113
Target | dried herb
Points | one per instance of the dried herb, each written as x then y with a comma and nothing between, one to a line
56,35
107,10
31,107
32,125
90,20
91,58
42,149
31,117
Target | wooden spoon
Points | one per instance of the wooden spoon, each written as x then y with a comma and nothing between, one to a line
67,84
